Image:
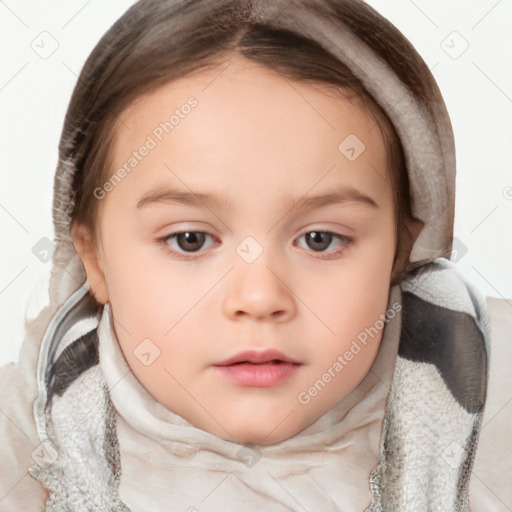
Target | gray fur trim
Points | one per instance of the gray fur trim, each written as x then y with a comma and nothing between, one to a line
84,475
427,445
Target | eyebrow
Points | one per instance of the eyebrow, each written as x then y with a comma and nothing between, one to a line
304,204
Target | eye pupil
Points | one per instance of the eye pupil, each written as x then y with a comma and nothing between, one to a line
318,240
194,240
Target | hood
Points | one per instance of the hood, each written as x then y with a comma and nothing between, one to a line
412,102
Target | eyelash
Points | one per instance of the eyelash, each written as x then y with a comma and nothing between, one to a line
163,241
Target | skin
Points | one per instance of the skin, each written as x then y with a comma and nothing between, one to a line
262,142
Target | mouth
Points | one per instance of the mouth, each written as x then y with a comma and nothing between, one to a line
258,357
258,369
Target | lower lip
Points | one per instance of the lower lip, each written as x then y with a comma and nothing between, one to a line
258,375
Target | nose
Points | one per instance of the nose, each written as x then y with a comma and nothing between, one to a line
256,290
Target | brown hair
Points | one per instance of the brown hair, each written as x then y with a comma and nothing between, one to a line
157,41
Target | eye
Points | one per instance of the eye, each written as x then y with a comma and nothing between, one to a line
319,241
186,241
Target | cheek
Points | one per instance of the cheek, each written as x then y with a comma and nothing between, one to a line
351,305
135,282
354,321
151,298
354,296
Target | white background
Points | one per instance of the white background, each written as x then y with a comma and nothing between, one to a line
34,94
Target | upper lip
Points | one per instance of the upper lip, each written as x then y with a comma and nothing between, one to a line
257,357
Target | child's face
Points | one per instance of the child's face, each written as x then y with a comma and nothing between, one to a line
260,278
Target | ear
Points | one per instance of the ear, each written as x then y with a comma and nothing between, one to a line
91,258
408,234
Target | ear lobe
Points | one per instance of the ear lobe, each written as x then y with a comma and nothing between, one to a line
91,259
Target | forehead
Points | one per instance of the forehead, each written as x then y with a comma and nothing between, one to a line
251,127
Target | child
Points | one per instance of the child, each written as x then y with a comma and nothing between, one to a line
251,301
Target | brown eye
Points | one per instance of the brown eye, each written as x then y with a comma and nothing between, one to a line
318,240
321,241
188,241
